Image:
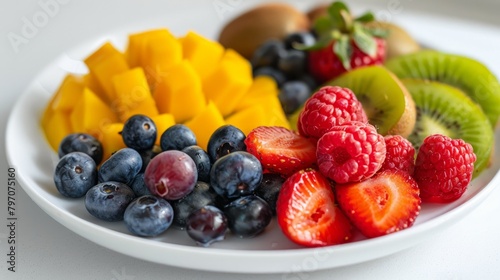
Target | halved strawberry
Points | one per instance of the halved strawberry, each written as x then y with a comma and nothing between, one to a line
382,204
281,150
307,213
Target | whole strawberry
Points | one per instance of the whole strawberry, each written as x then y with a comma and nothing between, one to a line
443,168
344,43
330,106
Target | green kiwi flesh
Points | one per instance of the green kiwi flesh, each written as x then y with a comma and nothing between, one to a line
380,94
444,109
467,74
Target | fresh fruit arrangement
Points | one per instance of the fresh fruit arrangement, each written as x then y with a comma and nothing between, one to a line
329,123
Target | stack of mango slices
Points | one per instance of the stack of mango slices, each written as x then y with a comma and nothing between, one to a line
190,80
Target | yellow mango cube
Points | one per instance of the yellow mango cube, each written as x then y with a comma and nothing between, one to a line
105,63
205,123
274,112
249,118
133,95
56,128
162,122
70,90
162,53
180,93
91,114
229,82
261,87
204,54
155,51
137,44
111,139
93,84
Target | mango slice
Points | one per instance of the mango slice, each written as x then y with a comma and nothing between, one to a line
111,139
133,95
93,84
70,90
155,51
261,87
229,82
266,111
56,128
162,122
103,64
204,54
180,93
248,119
205,123
91,114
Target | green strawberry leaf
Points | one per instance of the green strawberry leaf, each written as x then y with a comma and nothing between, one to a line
365,18
336,13
365,42
378,31
343,49
323,25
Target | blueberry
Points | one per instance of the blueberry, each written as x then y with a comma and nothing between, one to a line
226,139
122,166
148,216
139,186
207,225
292,95
296,39
146,157
81,142
293,63
248,216
310,81
177,137
268,53
139,133
107,201
202,161
269,189
235,175
75,174
275,74
201,195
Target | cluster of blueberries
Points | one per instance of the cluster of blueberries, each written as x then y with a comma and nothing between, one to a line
231,190
286,62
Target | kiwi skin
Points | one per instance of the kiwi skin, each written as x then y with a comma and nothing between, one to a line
447,110
398,41
406,123
380,91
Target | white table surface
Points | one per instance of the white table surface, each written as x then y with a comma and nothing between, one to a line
470,249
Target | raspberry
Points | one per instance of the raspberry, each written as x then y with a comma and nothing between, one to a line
400,154
329,107
443,168
351,152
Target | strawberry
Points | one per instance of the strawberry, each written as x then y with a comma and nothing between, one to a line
385,203
344,43
281,150
307,213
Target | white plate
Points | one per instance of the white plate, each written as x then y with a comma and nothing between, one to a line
270,252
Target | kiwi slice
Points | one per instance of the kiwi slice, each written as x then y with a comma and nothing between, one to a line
467,74
385,100
447,110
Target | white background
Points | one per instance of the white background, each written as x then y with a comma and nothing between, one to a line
470,249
